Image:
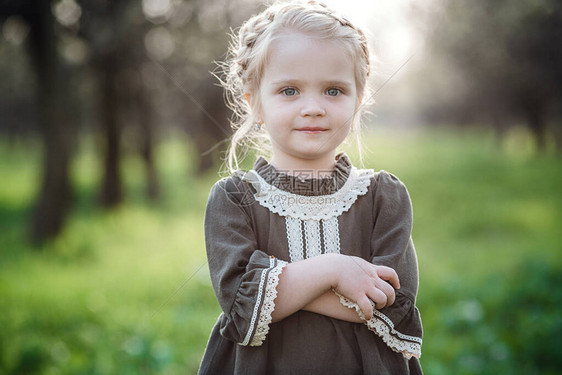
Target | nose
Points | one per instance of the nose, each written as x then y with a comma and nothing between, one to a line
312,107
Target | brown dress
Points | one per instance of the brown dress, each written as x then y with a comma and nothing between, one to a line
258,221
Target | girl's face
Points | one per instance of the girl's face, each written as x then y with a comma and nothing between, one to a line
308,98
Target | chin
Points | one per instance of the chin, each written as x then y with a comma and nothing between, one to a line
311,155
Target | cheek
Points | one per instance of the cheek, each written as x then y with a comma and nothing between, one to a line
349,108
275,109
265,108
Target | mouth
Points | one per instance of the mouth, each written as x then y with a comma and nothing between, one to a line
312,130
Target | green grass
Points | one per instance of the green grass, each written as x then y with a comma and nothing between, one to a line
128,291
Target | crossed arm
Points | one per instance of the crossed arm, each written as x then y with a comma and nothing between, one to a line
307,285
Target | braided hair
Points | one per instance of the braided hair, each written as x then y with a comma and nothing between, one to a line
247,58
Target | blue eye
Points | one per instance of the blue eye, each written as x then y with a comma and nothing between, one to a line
333,91
289,91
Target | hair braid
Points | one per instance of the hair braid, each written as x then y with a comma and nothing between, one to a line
324,9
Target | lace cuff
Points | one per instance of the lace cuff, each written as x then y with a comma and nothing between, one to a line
409,346
261,318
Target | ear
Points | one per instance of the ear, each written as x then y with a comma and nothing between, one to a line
248,97
359,102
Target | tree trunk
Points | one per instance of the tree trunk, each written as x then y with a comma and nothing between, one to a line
145,116
537,123
212,128
557,133
111,192
58,132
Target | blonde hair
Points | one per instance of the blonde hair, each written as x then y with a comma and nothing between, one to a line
247,58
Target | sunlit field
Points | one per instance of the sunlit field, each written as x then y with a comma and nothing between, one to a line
128,291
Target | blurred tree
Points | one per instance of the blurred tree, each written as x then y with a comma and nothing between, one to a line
17,87
114,31
197,31
212,128
123,62
57,125
508,53
145,115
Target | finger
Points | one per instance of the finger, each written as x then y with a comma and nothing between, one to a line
388,274
378,297
388,290
366,307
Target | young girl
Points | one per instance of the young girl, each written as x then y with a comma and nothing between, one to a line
311,259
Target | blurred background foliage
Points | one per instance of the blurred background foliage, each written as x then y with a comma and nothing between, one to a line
112,131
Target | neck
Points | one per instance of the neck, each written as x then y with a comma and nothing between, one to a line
319,167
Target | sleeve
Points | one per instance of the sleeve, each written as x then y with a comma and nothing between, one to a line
398,325
244,278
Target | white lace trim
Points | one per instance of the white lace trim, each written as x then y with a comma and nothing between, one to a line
294,238
257,305
409,346
312,236
268,301
331,231
311,207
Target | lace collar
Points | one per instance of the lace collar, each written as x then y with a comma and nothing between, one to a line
281,200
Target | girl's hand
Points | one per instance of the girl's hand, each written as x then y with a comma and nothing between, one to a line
363,282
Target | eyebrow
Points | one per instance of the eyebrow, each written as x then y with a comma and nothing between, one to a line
326,83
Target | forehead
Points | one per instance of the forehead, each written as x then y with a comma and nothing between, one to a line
297,56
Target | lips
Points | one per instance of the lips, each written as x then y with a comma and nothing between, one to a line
312,129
